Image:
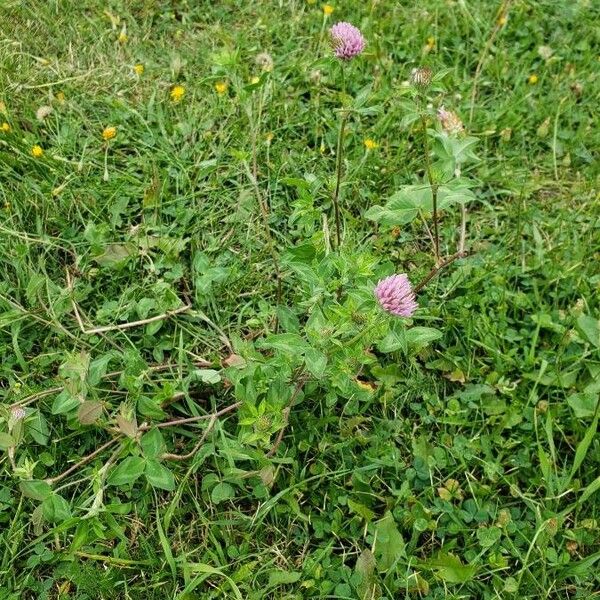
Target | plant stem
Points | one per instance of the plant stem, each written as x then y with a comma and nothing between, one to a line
434,188
264,211
338,178
437,269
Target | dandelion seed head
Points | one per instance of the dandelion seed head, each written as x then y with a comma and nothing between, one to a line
265,61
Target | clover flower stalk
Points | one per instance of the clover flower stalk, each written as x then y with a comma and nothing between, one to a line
421,78
347,42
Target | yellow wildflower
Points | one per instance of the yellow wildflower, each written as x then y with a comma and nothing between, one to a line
327,9
221,87
255,80
532,79
431,42
269,137
177,93
370,144
139,69
502,20
5,127
60,97
37,151
122,37
109,133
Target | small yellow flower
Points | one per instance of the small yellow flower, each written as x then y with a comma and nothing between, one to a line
532,79
370,144
109,133
5,127
269,137
431,41
502,20
37,151
177,93
60,97
139,69
122,37
327,9
255,80
221,87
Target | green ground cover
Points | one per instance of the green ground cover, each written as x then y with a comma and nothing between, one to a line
267,431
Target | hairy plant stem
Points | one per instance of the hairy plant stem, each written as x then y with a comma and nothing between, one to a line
264,211
433,185
262,201
338,178
441,265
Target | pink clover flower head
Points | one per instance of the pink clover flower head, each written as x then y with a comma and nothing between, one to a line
395,295
346,40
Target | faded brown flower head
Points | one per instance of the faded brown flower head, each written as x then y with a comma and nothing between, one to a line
450,122
421,77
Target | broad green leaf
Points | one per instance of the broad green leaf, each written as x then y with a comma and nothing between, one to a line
150,407
153,443
6,440
365,568
64,403
127,471
56,509
283,577
390,545
290,343
393,341
36,489
583,404
98,368
488,536
590,328
450,568
115,255
419,337
361,510
37,427
222,491
209,376
583,446
316,362
159,476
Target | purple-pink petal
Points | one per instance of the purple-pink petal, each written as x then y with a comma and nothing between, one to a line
347,41
396,296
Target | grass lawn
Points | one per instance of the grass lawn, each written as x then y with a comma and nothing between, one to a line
200,394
